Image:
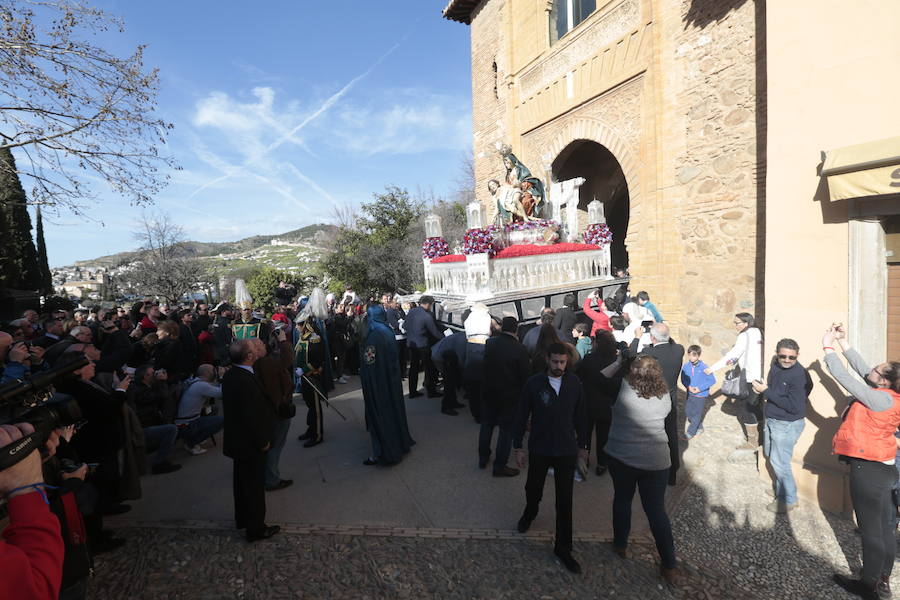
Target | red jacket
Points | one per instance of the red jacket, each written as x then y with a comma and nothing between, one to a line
868,434
31,553
601,321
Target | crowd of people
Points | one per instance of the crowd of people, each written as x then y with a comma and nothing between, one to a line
602,378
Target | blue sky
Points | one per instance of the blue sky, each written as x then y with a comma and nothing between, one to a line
285,110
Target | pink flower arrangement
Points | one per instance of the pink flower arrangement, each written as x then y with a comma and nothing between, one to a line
528,225
435,247
480,240
597,234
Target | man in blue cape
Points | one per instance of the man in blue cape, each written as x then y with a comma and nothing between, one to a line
383,392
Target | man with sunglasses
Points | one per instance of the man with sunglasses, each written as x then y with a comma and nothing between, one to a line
786,396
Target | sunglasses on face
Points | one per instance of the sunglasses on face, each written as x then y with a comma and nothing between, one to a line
786,357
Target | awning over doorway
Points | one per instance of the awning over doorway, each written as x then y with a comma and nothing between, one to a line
870,169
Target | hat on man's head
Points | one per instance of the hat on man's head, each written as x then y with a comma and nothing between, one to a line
221,307
509,325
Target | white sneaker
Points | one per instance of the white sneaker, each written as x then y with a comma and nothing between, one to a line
195,450
578,476
342,379
551,472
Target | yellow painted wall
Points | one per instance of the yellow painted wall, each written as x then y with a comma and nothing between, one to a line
831,83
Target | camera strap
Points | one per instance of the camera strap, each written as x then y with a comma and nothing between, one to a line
19,449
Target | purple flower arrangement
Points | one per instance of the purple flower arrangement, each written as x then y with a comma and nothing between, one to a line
597,234
529,225
435,247
480,240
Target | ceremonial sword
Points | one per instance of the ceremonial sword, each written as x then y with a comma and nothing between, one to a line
322,396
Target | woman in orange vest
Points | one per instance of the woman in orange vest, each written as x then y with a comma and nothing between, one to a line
865,440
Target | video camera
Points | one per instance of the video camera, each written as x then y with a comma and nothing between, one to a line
30,401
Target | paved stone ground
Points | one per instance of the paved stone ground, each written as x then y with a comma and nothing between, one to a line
731,547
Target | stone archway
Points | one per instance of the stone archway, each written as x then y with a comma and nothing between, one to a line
605,182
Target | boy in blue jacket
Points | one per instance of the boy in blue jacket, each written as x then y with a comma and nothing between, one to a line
697,384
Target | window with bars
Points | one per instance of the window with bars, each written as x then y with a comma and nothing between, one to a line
565,15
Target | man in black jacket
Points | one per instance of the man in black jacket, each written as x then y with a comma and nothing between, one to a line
506,367
670,357
249,428
559,436
565,319
421,334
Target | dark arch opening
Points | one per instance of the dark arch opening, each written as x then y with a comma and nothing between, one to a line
605,181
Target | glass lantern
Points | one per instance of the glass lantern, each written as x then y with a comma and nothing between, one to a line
595,213
433,226
474,215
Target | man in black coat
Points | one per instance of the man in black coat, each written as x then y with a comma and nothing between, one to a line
506,367
554,401
421,334
249,429
670,357
565,319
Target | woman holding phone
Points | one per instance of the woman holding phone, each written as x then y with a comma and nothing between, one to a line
865,441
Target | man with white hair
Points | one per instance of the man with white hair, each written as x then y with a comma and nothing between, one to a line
670,357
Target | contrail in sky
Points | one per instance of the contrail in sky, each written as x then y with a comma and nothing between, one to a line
290,134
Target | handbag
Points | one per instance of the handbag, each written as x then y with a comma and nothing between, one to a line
735,384
287,410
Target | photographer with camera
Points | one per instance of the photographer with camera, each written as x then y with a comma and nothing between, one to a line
31,552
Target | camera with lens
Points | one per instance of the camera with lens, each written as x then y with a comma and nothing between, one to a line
32,401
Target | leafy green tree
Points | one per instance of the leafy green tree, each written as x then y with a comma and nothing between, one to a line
18,258
263,283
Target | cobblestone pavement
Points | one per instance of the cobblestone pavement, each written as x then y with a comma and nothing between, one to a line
730,545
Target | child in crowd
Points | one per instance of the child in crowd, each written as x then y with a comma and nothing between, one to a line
582,335
697,384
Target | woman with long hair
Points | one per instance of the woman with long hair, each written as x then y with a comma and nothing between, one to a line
865,440
637,455
548,336
747,353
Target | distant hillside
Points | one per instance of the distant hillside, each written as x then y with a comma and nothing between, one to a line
314,235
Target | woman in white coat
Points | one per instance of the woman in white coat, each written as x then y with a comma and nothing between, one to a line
747,353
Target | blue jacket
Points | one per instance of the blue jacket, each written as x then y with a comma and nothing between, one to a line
421,330
787,392
653,311
693,375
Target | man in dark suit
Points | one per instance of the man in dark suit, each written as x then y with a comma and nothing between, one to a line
506,367
565,319
670,357
421,334
249,429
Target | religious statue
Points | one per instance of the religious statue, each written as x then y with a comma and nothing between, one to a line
508,207
531,188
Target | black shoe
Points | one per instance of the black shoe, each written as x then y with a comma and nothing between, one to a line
482,463
106,545
568,562
370,461
434,394
282,483
506,472
600,470
266,533
311,443
524,524
115,509
415,394
305,436
164,467
856,587
883,588
449,411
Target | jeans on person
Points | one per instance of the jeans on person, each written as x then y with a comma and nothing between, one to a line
563,480
273,475
161,437
201,428
871,483
778,445
693,411
652,488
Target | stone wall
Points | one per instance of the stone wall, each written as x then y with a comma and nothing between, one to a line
489,91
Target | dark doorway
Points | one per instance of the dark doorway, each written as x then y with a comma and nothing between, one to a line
605,182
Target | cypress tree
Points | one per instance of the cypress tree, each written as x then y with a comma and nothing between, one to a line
46,280
18,258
